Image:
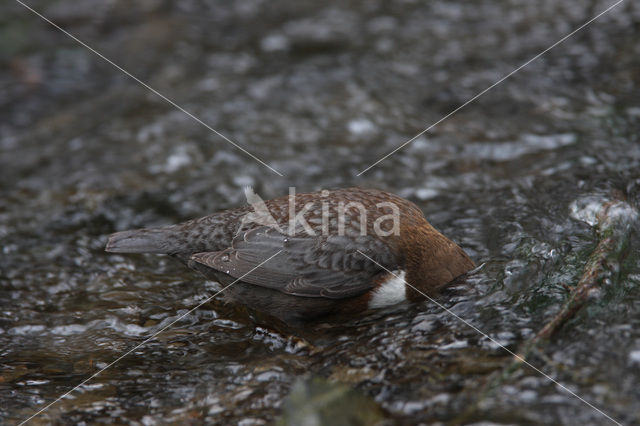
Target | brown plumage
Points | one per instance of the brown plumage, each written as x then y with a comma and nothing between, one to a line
315,266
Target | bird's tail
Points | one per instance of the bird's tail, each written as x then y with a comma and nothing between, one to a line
162,240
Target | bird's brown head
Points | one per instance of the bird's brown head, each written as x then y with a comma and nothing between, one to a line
431,259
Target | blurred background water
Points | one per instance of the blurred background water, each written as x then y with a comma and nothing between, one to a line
319,91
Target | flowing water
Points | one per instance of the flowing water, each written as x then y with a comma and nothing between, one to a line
318,91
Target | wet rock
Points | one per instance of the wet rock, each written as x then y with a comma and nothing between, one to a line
317,402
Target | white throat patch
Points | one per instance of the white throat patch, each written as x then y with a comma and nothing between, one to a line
390,292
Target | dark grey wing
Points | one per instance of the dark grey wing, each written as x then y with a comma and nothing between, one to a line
321,266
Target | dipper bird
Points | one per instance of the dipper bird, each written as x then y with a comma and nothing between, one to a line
304,256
